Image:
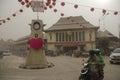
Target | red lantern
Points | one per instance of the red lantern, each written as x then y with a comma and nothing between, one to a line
26,1
62,3
4,21
92,9
53,3
45,8
50,6
14,15
54,0
75,6
20,10
55,10
49,1
19,0
23,3
103,11
8,18
27,5
47,4
115,13
62,14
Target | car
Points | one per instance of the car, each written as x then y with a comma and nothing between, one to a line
115,56
6,53
1,54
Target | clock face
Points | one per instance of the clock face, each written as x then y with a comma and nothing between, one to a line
36,26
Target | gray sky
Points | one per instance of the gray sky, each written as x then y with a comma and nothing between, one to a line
18,26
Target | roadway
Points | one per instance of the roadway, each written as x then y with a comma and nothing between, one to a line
66,68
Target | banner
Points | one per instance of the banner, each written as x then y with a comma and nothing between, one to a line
37,6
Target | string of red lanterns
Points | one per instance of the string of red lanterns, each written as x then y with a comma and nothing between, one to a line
25,2
104,11
51,3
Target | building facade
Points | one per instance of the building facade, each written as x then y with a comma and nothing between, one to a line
71,33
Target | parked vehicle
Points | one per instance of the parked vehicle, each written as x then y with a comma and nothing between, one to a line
1,54
6,53
115,56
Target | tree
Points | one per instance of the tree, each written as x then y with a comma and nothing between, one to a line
103,44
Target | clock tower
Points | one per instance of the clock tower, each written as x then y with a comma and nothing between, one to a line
36,58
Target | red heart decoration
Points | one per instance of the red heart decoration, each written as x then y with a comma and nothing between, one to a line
36,43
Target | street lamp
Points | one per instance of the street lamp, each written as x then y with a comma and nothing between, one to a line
102,17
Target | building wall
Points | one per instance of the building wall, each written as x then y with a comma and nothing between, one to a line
88,39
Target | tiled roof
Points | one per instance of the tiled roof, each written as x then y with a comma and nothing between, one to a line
76,22
105,33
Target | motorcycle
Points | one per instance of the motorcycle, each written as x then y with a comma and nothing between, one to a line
88,72
84,75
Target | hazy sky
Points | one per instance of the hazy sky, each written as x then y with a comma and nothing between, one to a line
18,26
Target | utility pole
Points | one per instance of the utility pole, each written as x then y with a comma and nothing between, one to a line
101,19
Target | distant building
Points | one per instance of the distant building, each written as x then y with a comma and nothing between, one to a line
103,34
71,33
113,40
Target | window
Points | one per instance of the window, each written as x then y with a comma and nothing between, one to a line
66,36
79,36
50,36
83,35
76,36
62,36
73,39
56,37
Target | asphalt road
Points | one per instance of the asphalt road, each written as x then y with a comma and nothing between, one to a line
66,68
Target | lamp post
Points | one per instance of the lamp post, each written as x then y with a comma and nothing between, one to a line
102,18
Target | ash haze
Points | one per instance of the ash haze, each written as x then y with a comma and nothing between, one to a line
18,26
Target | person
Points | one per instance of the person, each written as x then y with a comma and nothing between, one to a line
93,68
100,64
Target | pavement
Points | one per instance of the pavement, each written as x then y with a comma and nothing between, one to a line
66,68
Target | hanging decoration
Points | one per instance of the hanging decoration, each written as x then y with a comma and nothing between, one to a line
14,15
45,8
53,3
27,1
55,10
50,4
62,3
19,0
75,6
104,11
62,14
115,13
8,18
4,21
23,3
21,10
92,9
